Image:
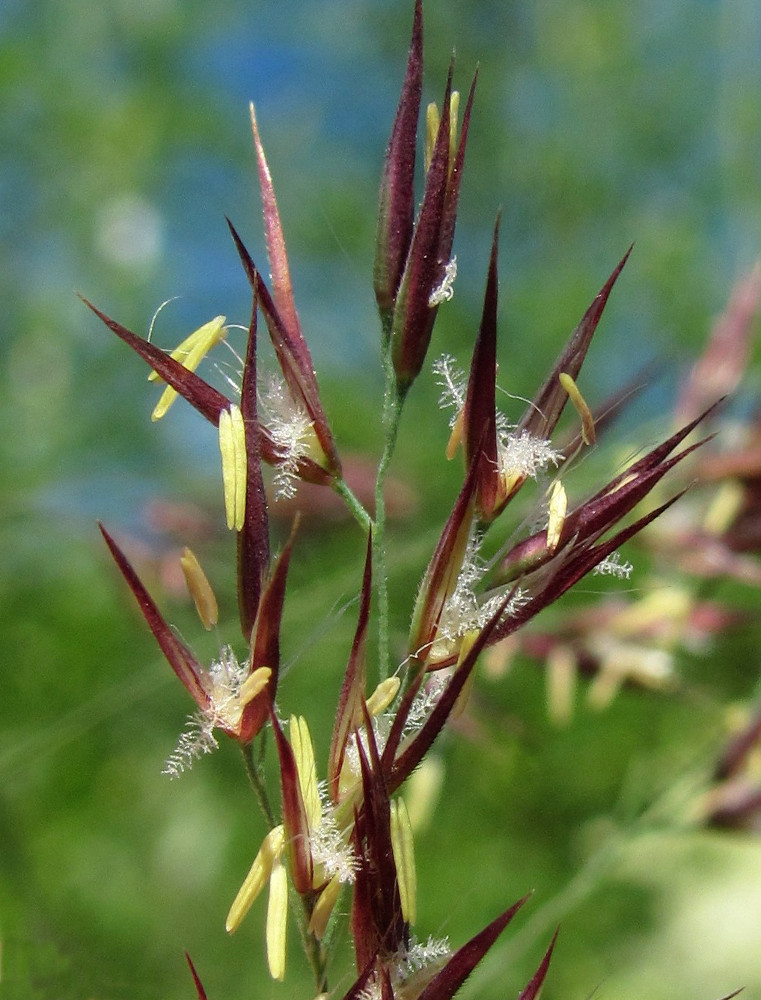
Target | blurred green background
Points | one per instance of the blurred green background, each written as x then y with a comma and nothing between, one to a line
124,140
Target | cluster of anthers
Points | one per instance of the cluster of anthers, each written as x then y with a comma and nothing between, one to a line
352,832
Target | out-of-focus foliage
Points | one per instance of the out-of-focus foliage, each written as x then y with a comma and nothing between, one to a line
123,141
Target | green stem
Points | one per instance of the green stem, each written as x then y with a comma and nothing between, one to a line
256,779
358,512
312,948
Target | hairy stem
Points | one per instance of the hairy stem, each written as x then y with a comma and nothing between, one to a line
357,510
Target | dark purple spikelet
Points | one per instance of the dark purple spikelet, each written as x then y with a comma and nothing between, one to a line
294,813
322,465
253,538
440,578
541,417
265,644
412,255
396,211
591,519
201,396
349,711
447,982
480,414
535,983
198,984
378,924
424,278
179,657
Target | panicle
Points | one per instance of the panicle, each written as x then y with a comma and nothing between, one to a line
353,831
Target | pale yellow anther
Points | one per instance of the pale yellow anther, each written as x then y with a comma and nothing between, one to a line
200,589
508,480
497,661
258,875
190,353
647,666
404,859
455,438
349,785
561,671
232,446
454,109
312,448
422,790
382,696
343,813
666,609
277,921
432,122
558,506
253,685
580,405
604,688
303,751
323,908
625,481
461,702
724,508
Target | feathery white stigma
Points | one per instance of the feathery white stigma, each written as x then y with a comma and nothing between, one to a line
445,291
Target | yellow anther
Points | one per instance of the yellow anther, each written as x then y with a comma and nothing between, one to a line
277,921
260,871
580,405
323,908
455,438
404,859
557,510
232,445
190,353
253,685
382,696
303,751
200,589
